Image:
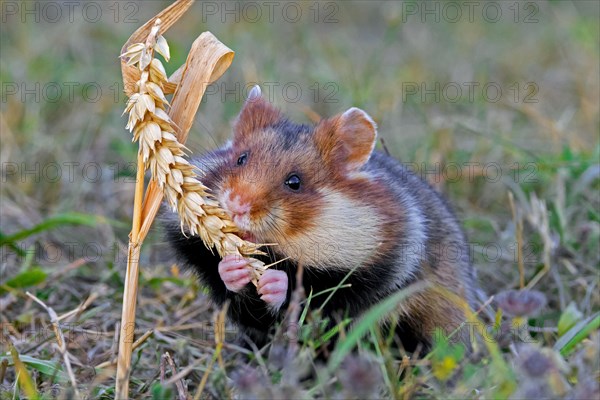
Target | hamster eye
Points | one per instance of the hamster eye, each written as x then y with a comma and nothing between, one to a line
293,182
242,159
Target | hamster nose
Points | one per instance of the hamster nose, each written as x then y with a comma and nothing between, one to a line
236,206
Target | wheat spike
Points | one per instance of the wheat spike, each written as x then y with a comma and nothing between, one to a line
199,212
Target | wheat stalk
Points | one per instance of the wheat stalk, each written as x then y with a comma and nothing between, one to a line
160,151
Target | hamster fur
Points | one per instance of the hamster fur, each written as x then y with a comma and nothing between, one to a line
333,204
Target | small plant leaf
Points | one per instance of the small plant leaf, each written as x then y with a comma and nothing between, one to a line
569,317
24,379
577,334
156,282
46,367
162,392
446,357
70,218
31,277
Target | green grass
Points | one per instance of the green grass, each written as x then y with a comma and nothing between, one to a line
63,237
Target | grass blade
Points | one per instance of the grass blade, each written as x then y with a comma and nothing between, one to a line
30,277
25,380
70,218
576,334
45,367
372,317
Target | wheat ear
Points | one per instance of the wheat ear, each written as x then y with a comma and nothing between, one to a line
152,128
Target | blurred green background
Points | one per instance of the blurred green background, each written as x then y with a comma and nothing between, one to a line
480,98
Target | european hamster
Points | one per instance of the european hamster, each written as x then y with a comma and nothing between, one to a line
333,203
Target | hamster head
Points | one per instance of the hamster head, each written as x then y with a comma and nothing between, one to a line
292,184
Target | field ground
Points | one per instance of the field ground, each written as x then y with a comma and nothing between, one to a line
499,110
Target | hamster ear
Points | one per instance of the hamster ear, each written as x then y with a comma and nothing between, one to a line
257,113
255,93
347,139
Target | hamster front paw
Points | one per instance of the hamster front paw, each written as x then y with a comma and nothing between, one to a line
273,286
234,272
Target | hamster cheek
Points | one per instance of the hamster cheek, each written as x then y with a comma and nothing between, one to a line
234,272
273,286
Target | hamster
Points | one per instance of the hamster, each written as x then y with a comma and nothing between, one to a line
334,204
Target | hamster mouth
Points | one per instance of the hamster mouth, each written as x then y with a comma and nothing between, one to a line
242,223
248,237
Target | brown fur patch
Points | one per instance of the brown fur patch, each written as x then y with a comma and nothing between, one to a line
256,114
433,309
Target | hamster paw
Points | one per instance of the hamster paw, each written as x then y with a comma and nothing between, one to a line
273,286
235,272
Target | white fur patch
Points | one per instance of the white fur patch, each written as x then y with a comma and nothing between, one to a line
242,221
364,114
255,93
347,234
